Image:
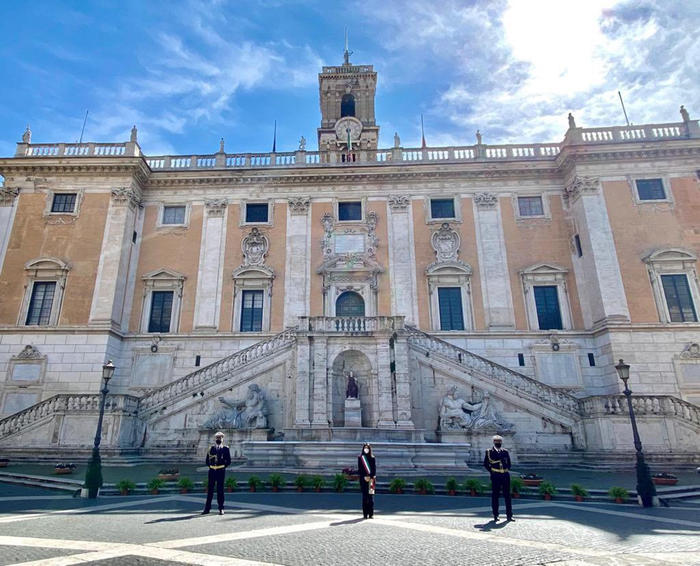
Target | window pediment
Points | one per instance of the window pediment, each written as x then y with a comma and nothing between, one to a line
47,267
164,275
671,258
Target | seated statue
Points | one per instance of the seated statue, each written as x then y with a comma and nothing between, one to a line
244,413
485,417
351,392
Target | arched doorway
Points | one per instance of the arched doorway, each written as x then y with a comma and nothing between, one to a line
350,303
358,363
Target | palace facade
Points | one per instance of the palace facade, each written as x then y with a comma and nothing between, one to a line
467,290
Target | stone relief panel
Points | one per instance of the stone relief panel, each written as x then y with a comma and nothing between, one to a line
255,247
445,242
457,414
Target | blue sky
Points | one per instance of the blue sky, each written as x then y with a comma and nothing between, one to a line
188,73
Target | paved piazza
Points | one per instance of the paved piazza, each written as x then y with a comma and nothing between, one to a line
39,527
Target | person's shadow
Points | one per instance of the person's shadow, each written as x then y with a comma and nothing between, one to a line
348,522
171,519
491,525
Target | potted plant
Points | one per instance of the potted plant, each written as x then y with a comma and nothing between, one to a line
276,481
185,484
169,474
397,485
301,481
230,484
154,485
547,489
618,494
516,487
318,483
451,486
339,482
532,480
254,483
473,487
64,469
664,478
351,473
125,486
579,492
423,486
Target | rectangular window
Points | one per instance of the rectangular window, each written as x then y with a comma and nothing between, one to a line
349,211
591,359
579,249
174,215
530,206
251,311
63,202
256,212
547,303
161,311
450,300
442,208
650,189
521,360
678,298
39,312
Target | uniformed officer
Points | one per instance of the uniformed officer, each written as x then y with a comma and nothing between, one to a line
497,462
218,457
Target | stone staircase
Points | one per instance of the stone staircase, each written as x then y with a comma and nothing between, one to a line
643,405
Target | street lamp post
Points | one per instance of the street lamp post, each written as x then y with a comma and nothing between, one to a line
645,487
93,475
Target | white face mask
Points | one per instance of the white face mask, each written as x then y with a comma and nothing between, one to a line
366,450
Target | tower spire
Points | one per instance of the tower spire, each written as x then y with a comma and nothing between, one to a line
347,52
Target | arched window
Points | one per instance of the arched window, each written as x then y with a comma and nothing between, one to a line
350,304
347,105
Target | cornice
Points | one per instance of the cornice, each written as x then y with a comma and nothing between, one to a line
571,155
134,166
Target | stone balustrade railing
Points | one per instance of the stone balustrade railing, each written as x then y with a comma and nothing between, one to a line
360,156
351,324
662,405
524,385
212,373
67,403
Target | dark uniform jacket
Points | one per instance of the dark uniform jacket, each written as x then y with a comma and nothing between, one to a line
497,461
218,458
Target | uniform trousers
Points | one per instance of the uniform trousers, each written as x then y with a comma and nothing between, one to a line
215,477
501,483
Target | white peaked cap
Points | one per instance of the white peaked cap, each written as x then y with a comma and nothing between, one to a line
497,437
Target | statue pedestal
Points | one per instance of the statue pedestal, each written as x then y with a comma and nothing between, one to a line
233,438
353,413
480,441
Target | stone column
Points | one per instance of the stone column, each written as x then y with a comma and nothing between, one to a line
403,383
384,400
598,276
301,416
115,255
211,267
8,208
493,263
402,264
296,280
319,395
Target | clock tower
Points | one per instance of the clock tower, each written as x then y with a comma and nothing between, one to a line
346,94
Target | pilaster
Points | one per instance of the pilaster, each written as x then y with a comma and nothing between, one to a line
493,263
402,265
211,265
403,383
319,395
296,281
115,258
302,406
8,208
385,402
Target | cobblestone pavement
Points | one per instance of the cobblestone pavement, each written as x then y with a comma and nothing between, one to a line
38,527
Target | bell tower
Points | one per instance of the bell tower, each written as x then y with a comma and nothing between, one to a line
346,95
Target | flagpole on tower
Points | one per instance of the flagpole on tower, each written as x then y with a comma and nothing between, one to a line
422,132
274,139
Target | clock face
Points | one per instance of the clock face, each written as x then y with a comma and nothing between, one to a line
344,124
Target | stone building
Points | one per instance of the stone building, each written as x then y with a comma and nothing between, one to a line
465,290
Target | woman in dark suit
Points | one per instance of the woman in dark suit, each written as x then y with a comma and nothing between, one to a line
367,470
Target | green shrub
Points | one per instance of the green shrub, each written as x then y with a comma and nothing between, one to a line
577,489
618,493
155,483
185,483
339,482
547,488
451,484
276,481
516,485
397,485
126,485
301,481
254,483
475,485
230,483
422,485
318,482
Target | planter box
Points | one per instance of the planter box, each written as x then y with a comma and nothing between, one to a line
4,463
169,477
533,483
62,471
